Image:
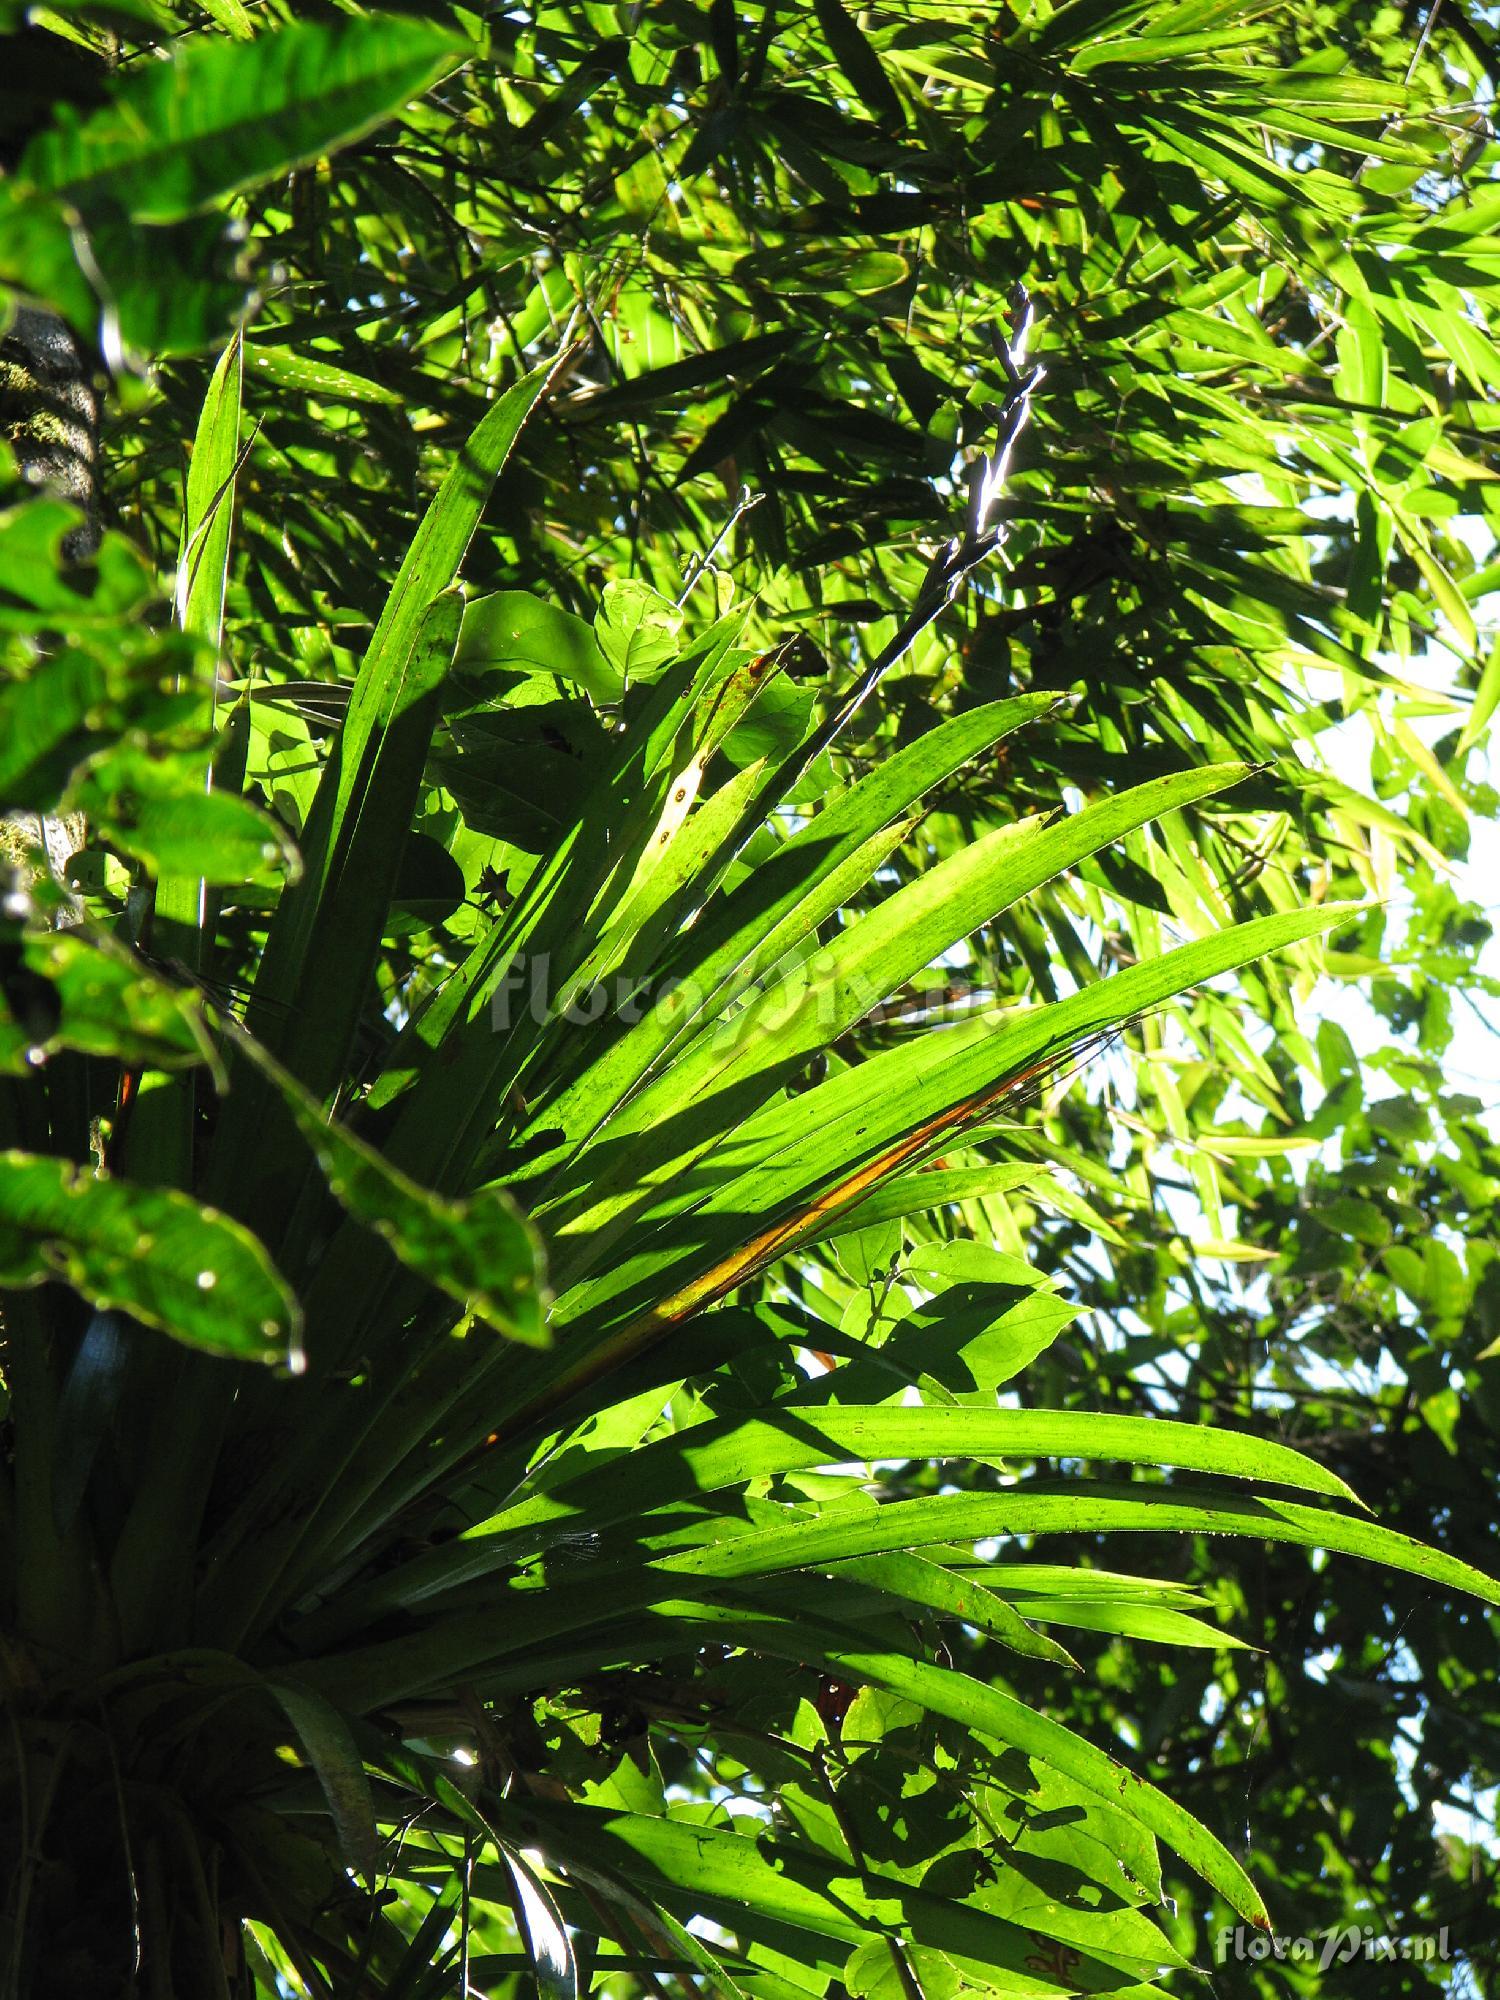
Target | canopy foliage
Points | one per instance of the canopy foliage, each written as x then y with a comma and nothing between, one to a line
592,833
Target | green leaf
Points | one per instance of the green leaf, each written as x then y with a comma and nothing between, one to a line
1486,699
46,721
1036,1580
783,901
428,888
232,16
859,63
37,578
203,559
759,1881
325,1737
969,1701
708,1457
217,117
917,1194
173,288
150,1252
515,631
38,256
929,1584
1158,1625
51,719
158,810
288,368
637,629
967,1340
815,1001
1084,1509
181,914
855,1129
711,1457
326,934
103,1002
991,1711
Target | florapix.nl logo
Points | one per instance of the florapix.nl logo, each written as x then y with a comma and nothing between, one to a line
819,986
1337,1944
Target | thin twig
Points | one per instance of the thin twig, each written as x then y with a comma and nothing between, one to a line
699,564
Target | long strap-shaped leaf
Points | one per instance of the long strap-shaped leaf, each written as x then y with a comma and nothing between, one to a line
873,1118
872,958
437,1135
371,772
732,1451
471,1644
728,1451
808,1159
163,1125
839,1142
781,903
994,1712
1092,1509
919,1581
322,941
742,934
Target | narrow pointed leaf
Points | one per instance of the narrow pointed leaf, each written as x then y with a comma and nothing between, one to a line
1083,1509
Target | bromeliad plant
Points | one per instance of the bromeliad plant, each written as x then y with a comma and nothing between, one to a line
449,1539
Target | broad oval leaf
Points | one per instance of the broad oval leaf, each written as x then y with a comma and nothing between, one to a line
153,1253
98,999
514,630
217,116
158,810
